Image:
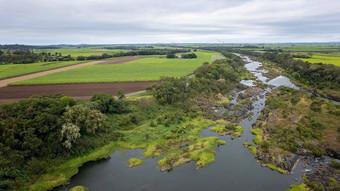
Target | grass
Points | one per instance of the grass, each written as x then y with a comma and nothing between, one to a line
252,150
258,139
223,100
259,135
147,69
301,187
235,131
278,169
247,144
79,188
63,173
174,150
13,70
134,162
331,58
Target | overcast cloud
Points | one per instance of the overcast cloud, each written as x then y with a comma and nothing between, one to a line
154,21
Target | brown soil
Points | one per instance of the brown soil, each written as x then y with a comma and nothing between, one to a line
5,82
82,91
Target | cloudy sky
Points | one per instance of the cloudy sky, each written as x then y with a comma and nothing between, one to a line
154,21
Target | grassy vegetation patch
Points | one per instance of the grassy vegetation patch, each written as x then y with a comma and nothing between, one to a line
247,144
258,139
63,173
79,188
134,162
301,187
229,129
252,149
278,169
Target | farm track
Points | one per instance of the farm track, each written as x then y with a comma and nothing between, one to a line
5,82
81,91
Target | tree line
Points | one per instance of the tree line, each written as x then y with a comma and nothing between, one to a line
140,52
27,56
24,56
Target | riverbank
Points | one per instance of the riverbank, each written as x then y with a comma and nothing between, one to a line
296,126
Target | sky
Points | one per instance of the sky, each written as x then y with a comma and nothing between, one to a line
43,22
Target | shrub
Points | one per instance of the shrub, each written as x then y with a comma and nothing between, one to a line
107,103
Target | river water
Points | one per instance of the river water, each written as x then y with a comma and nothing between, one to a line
235,168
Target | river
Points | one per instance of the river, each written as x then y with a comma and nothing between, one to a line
235,168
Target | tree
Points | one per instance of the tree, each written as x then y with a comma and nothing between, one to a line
88,120
171,56
108,104
189,55
70,133
121,93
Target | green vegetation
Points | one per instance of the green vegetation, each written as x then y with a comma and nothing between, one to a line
278,169
27,56
259,135
301,187
235,131
147,69
12,70
132,162
294,115
59,175
47,130
253,150
79,188
247,144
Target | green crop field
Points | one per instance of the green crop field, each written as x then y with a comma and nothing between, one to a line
75,52
147,69
12,70
331,58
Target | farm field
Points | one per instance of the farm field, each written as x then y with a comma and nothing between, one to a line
147,69
332,58
75,52
13,70
81,91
